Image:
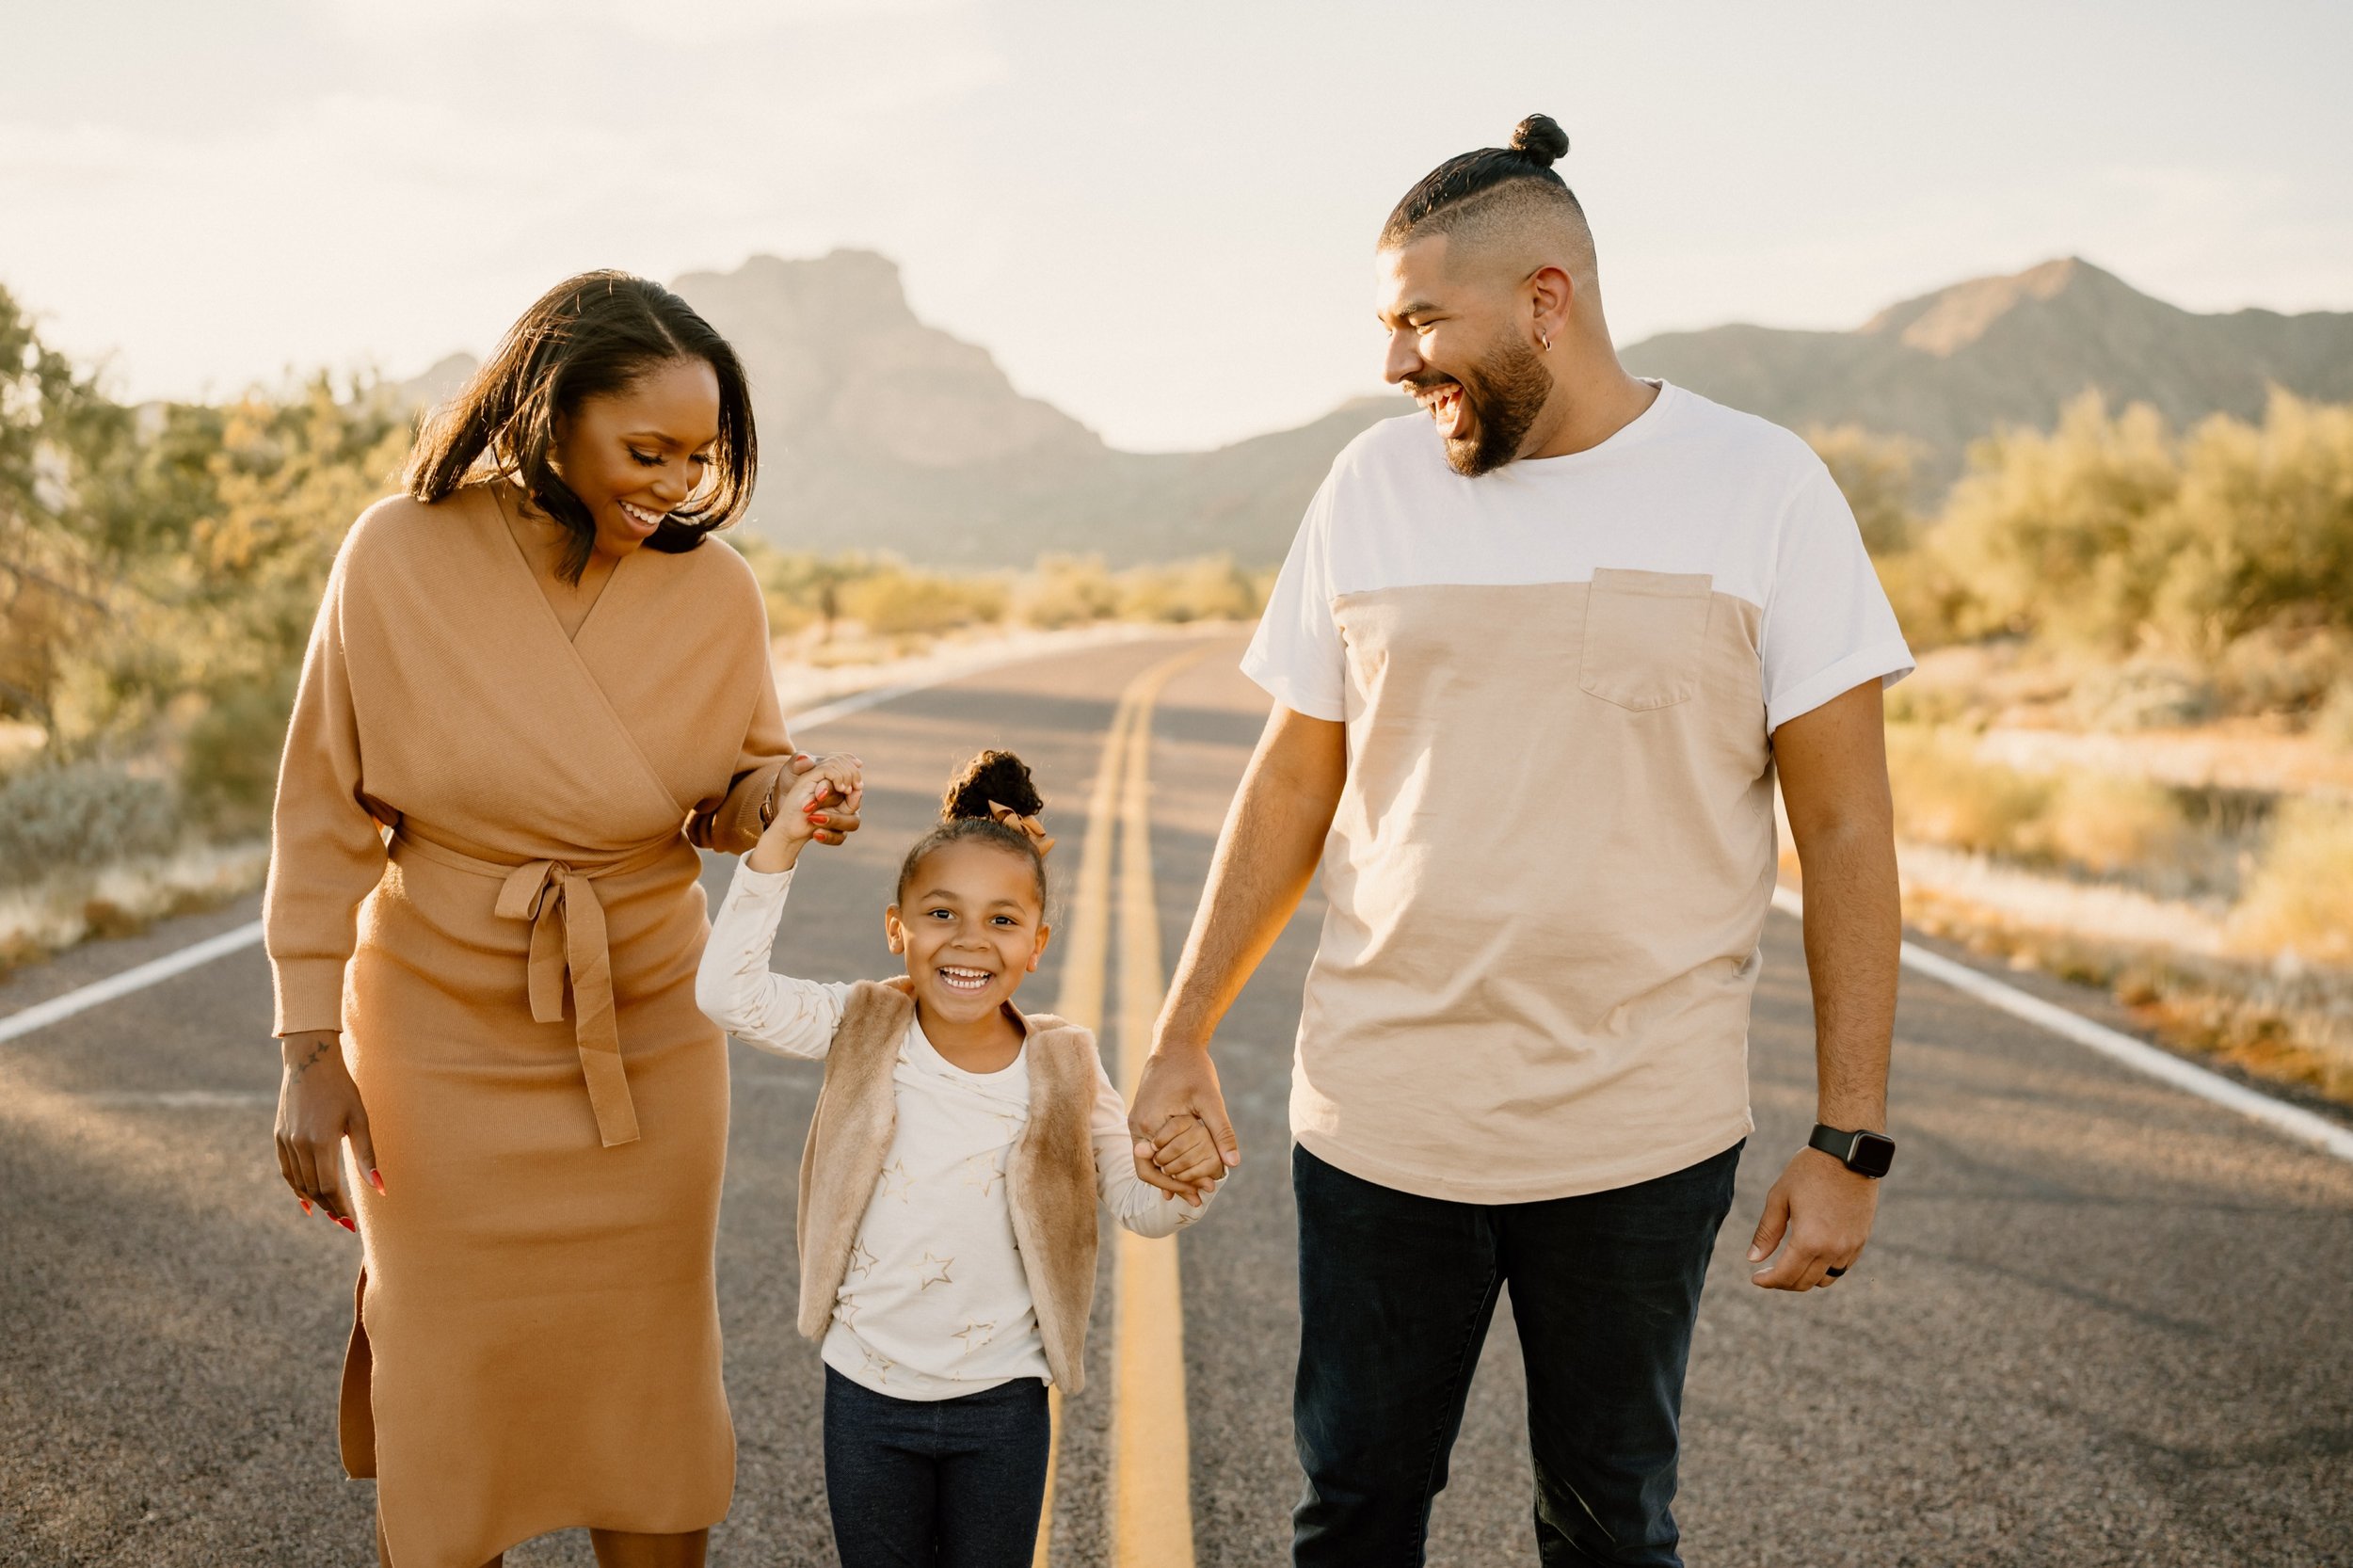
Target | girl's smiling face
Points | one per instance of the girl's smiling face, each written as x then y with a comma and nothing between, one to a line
970,928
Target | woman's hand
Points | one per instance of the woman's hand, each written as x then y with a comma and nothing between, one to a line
821,803
318,1107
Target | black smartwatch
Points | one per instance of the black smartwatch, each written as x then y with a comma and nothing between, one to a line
1867,1154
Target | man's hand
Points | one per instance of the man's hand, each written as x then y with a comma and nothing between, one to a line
1266,856
1822,1211
1185,1152
1179,1082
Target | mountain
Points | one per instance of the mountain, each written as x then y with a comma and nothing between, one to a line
1951,366
880,433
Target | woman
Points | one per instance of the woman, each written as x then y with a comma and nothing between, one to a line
529,673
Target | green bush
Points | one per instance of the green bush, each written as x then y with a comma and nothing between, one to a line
228,769
80,815
1067,590
1210,588
895,601
2113,534
1880,477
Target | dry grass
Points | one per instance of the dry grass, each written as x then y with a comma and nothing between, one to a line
2089,875
1945,796
2286,1027
2299,902
2109,825
120,899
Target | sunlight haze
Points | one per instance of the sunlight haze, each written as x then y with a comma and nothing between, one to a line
1156,217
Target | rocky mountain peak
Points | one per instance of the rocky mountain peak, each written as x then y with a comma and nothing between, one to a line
841,368
1952,319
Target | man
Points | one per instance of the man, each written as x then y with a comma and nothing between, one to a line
1537,660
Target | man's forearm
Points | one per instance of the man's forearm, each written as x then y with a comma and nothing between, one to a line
1265,857
1853,933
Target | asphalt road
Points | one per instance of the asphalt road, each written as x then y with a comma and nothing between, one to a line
2103,1323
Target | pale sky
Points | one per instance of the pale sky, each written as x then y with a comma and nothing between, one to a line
1158,216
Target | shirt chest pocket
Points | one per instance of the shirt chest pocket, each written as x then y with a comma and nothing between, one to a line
1646,637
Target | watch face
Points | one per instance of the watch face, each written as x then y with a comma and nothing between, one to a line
1873,1154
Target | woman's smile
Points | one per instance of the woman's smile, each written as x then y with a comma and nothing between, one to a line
641,520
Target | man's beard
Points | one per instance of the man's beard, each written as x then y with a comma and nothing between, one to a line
1504,392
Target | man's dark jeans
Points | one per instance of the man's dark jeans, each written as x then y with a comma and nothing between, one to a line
1395,1295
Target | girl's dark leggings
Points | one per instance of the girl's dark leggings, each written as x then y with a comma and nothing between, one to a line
944,1484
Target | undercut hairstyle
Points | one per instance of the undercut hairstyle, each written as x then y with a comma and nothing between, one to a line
589,336
964,816
1495,191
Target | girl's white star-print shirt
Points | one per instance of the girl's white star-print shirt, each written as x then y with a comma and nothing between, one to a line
935,1304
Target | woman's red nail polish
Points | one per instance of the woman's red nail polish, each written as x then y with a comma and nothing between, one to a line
376,1181
306,1203
346,1225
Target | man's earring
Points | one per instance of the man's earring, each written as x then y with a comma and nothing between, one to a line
1543,339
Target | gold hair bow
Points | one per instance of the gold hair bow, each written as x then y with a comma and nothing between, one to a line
1035,829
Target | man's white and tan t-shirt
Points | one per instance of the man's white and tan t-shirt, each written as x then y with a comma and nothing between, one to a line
1552,861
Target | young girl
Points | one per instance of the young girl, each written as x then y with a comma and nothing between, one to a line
947,1206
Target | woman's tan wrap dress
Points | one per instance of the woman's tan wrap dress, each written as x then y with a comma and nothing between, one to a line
513,969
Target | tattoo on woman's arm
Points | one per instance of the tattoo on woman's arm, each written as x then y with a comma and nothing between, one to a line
295,1069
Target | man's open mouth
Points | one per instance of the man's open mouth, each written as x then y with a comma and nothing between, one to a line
1450,410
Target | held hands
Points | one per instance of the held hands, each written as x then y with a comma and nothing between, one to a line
1187,1157
820,801
1185,1143
1822,1211
318,1107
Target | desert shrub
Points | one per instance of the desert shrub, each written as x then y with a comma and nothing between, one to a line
2111,533
228,766
1067,590
895,601
2333,722
1930,602
1210,588
1945,796
2057,535
2262,529
2282,670
84,814
801,589
2142,694
2301,898
2109,825
1880,476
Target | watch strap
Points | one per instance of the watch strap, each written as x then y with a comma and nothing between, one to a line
1841,1145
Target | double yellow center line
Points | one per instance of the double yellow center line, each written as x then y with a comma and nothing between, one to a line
1151,1480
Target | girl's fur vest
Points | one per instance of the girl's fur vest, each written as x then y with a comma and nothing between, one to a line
1049,1181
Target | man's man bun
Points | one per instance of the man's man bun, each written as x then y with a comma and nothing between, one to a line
1475,187
1539,139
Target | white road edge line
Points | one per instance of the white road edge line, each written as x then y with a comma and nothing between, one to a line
42,1014
2294,1121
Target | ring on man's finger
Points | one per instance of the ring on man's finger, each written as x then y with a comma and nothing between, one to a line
1831,1274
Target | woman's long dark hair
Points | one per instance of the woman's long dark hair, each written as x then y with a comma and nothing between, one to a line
586,337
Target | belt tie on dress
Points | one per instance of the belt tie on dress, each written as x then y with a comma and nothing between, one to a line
567,943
